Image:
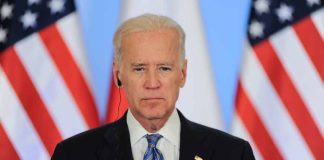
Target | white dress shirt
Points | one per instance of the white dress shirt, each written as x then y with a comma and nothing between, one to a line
169,144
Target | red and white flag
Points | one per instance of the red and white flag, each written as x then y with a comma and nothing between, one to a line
45,93
280,96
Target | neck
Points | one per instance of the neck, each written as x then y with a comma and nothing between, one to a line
152,125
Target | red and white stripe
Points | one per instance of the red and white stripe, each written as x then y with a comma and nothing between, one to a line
280,95
239,128
17,126
45,92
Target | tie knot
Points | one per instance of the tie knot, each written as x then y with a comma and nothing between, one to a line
152,139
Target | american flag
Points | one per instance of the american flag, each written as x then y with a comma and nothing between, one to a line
45,91
280,97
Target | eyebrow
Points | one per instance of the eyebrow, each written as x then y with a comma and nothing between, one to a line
143,64
165,64
138,64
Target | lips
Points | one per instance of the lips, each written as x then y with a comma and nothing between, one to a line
152,98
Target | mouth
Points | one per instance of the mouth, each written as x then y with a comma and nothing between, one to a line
152,99
152,102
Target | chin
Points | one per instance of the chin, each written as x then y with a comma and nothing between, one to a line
153,112
154,115
157,114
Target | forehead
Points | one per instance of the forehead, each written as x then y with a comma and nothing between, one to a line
168,33
156,44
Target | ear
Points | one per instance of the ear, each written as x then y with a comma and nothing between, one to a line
183,73
116,72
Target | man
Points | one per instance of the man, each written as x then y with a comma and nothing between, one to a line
150,65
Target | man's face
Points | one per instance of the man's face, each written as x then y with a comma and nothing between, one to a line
150,72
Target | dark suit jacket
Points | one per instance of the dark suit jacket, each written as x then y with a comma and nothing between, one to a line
112,142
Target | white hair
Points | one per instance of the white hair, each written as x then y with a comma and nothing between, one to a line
147,22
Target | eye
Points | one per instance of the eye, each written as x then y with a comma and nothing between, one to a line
138,69
165,68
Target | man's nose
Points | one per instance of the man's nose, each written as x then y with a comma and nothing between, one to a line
152,80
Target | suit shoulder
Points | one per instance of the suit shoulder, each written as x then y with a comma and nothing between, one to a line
92,137
217,143
210,143
217,136
89,134
88,144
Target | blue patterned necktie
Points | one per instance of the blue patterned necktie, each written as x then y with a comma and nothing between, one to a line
152,153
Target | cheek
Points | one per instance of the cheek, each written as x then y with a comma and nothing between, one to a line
173,88
178,81
131,88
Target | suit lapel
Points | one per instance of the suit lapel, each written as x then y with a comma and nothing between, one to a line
118,145
190,139
118,142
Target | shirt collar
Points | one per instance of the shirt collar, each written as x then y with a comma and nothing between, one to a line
170,131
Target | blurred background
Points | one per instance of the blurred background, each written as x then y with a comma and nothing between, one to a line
224,24
255,70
